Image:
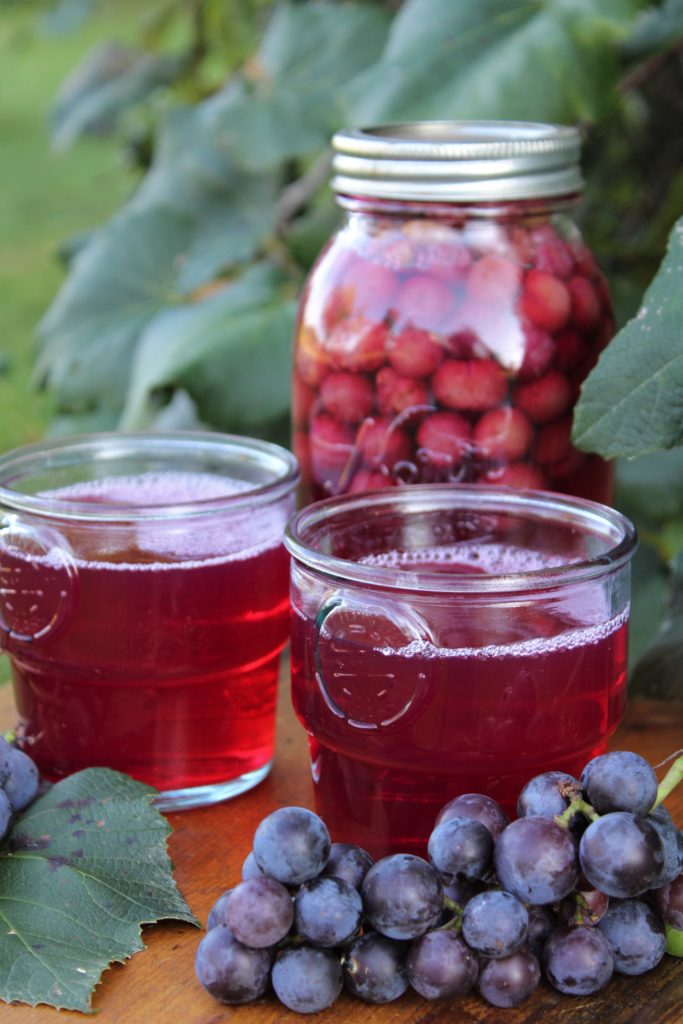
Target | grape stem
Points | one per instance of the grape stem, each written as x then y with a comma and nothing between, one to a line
670,781
577,806
455,922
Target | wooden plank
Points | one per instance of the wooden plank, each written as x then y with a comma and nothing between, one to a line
208,847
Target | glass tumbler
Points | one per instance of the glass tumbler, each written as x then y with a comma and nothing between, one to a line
450,639
144,605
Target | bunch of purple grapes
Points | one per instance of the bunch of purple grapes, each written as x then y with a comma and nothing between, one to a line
587,880
19,784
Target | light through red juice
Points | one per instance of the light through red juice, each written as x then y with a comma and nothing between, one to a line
400,723
166,663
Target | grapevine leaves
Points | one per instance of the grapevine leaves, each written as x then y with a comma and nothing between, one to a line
632,402
496,59
119,280
82,870
210,203
207,206
307,54
658,672
111,79
656,28
229,352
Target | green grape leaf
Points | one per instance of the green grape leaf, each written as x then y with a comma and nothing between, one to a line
554,60
229,352
307,53
656,28
119,280
659,473
83,868
111,79
66,16
649,595
658,672
631,403
229,211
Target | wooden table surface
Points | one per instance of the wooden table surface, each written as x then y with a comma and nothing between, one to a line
208,847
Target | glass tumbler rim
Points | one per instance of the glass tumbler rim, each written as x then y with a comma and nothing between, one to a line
80,449
551,506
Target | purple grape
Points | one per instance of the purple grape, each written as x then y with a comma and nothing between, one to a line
231,971
583,907
621,855
5,761
374,968
620,781
21,788
292,845
578,961
461,846
662,814
259,912
672,846
441,966
348,862
479,807
217,913
511,980
542,922
669,903
461,891
402,896
636,934
495,923
307,980
535,859
327,911
6,815
547,795
250,868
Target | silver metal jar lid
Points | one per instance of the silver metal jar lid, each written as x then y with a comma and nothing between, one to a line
462,161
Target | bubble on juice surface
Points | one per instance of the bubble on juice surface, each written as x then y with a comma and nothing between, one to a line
467,557
145,490
567,617
238,533
568,639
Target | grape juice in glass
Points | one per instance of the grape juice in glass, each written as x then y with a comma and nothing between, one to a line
450,639
144,606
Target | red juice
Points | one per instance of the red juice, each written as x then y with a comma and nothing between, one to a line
165,664
399,723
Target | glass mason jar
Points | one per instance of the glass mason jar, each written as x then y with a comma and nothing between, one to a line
446,328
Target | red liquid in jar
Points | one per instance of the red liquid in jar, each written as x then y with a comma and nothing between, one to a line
166,664
403,725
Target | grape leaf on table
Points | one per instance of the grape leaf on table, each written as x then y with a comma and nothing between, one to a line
632,402
80,872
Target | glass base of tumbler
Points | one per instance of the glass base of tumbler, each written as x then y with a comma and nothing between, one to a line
204,796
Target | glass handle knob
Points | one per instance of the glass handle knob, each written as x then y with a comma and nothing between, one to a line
38,582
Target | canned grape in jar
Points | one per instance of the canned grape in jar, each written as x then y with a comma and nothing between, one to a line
446,329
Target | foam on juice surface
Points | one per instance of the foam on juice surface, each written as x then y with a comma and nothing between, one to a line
492,559
221,536
587,615
148,489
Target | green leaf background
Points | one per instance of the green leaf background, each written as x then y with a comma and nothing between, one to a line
179,311
632,403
